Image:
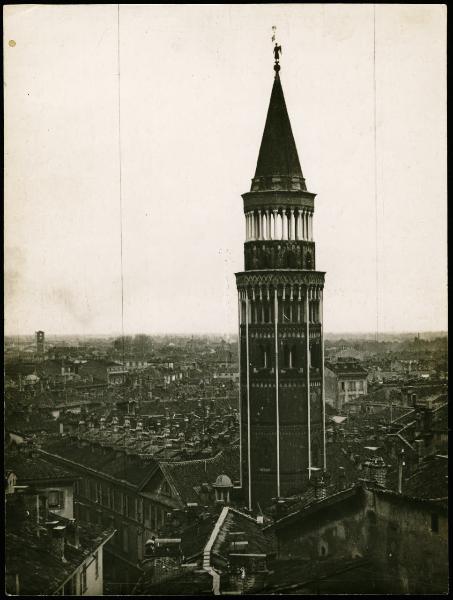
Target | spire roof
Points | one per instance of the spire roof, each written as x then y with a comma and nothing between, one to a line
278,153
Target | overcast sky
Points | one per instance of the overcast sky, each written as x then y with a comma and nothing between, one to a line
195,84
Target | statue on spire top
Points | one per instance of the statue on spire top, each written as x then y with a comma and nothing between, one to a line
277,51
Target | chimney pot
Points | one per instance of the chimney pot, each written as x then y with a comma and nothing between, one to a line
73,534
57,541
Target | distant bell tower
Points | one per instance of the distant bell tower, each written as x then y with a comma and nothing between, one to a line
40,343
281,350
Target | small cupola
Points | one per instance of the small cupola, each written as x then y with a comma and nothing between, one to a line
222,486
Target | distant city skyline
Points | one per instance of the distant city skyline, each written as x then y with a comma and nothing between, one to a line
194,89
219,334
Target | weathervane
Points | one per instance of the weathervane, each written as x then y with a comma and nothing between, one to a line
277,51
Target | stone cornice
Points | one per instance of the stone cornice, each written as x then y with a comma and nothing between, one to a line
279,277
273,200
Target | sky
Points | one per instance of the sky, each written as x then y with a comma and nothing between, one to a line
169,109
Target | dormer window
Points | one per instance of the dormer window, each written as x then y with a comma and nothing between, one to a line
55,500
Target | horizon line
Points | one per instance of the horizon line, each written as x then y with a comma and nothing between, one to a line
220,334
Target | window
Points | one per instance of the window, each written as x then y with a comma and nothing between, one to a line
125,539
125,504
118,501
55,500
434,523
98,497
139,509
83,580
69,588
96,564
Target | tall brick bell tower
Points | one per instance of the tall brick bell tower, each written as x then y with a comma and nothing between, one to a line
281,350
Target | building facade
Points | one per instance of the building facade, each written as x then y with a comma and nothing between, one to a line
345,381
48,552
280,322
364,540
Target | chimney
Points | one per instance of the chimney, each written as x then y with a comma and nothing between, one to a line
57,541
401,464
320,488
72,537
342,478
419,444
50,525
378,471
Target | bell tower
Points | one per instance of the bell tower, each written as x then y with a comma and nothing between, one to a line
281,350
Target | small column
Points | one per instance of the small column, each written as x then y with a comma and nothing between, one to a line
284,225
269,224
302,223
310,220
275,213
297,224
260,226
305,225
292,235
249,467
307,382
252,225
240,378
277,411
322,383
247,223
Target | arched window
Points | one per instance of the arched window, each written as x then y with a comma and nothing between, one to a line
289,356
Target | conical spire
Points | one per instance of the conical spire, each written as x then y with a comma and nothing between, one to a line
278,153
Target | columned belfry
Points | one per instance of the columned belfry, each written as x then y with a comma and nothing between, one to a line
281,349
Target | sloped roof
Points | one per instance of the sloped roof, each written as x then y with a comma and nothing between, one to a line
258,540
278,152
430,480
133,472
31,469
40,571
186,475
